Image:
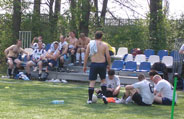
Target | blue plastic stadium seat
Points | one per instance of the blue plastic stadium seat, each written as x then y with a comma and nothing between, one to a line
144,67
117,65
130,66
47,47
162,53
175,54
149,52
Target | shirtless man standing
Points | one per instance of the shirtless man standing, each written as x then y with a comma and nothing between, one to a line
12,54
81,47
72,45
97,50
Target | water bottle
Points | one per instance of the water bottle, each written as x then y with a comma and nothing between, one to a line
57,102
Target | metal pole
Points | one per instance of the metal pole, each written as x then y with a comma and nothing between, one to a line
174,95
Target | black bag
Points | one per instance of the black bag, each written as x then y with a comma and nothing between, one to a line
161,67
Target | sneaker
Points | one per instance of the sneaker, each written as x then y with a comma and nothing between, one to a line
64,81
39,76
71,64
77,62
120,101
89,101
104,99
100,95
35,69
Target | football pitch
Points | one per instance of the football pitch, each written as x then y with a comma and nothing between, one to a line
32,100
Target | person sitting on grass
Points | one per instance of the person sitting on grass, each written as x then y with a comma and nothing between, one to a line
12,54
81,47
37,59
142,92
113,85
163,91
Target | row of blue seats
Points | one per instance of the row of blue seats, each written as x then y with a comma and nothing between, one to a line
118,65
162,53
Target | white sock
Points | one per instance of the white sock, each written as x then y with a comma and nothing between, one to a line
82,55
129,99
77,56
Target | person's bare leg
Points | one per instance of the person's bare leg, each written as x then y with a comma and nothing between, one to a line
158,99
28,66
40,67
10,66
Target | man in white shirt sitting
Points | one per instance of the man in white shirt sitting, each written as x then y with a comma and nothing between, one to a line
142,92
163,91
38,57
113,85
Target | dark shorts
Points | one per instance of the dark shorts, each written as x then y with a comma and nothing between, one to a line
69,50
109,93
97,68
138,99
166,101
53,62
13,59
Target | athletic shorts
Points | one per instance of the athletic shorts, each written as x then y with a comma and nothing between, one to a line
138,100
109,93
53,62
166,101
13,59
35,63
97,68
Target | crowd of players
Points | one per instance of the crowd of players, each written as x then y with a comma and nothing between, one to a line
65,48
142,92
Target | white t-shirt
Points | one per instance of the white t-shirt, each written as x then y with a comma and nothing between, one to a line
62,44
37,53
165,88
35,46
146,91
182,47
112,83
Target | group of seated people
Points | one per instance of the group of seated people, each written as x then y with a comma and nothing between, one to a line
58,51
144,92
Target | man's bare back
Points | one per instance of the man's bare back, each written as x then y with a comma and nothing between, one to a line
99,57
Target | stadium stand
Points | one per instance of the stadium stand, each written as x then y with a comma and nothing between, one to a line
117,65
168,61
130,66
162,53
120,53
153,59
140,58
144,67
149,52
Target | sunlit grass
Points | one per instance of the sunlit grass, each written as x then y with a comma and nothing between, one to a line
32,100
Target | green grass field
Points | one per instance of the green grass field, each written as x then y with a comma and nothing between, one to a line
31,100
